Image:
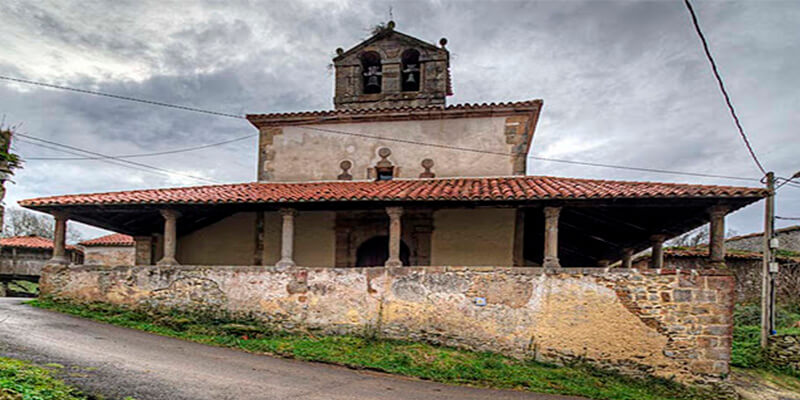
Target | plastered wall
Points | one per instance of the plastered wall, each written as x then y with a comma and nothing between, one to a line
298,154
473,237
664,323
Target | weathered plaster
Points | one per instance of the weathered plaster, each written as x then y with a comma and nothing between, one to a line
286,157
109,255
473,237
662,323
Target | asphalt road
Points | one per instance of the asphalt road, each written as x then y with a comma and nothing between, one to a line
118,362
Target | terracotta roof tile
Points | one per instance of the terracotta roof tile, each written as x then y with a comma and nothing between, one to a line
114,239
30,242
441,189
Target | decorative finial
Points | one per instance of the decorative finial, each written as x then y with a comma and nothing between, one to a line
427,164
340,51
384,153
443,42
345,175
390,25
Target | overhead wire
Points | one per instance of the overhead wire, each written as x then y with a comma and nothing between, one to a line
355,134
139,155
107,157
722,88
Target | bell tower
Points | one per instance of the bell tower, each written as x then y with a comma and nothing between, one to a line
392,70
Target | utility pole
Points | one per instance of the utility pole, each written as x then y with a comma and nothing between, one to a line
769,266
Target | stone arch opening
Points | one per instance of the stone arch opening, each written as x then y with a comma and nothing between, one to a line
375,251
372,72
410,70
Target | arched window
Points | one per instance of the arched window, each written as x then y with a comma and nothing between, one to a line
375,251
371,69
410,71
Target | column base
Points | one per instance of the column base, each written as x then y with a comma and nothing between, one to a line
551,262
168,261
59,260
283,264
393,263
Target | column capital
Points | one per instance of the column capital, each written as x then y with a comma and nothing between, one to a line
628,252
718,210
552,212
394,212
658,238
287,212
170,214
59,215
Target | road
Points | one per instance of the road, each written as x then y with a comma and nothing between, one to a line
118,362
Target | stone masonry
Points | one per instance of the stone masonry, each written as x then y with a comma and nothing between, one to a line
668,323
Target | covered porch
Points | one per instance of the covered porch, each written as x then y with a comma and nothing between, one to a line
514,221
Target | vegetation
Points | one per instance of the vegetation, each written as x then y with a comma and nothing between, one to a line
747,352
21,222
425,361
20,380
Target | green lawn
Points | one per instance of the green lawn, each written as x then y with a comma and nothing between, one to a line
20,380
441,364
747,333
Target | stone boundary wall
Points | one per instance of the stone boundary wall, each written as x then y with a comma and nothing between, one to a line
668,323
784,351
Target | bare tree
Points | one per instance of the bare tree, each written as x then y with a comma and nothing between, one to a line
697,237
21,222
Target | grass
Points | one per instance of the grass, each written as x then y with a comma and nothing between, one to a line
441,364
746,351
20,380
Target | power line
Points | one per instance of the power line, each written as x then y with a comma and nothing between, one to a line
788,218
76,153
120,97
722,87
467,149
107,157
160,153
362,135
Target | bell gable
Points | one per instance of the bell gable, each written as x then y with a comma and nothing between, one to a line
392,70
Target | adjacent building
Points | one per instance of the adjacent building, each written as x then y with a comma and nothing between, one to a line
26,255
114,249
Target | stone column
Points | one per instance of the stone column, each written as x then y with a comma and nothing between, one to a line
60,240
394,236
170,237
657,258
287,238
716,233
551,237
627,258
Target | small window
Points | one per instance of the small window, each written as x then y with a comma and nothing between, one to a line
372,71
385,173
410,71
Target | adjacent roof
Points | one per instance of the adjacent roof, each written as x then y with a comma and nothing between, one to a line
114,239
702,251
518,188
396,114
757,234
29,242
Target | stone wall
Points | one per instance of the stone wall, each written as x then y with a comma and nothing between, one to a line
747,272
109,255
784,351
789,239
670,324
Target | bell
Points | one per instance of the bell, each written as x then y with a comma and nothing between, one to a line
372,81
410,79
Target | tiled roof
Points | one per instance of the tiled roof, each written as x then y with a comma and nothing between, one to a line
756,234
518,188
29,242
114,239
389,113
702,251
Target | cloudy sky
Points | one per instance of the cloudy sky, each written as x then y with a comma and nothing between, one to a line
622,82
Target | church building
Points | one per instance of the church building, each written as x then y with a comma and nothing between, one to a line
395,176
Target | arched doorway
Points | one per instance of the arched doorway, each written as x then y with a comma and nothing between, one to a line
375,251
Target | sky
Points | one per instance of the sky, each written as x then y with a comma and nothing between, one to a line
623,83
